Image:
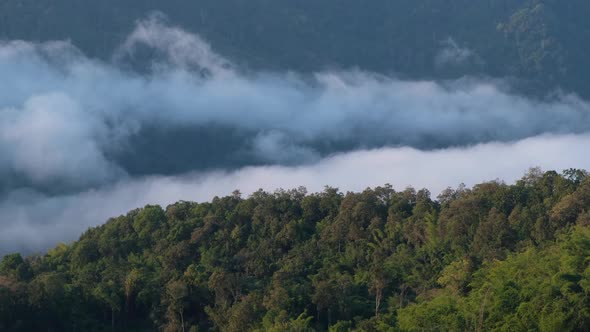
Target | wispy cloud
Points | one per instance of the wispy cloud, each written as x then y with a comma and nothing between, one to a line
454,55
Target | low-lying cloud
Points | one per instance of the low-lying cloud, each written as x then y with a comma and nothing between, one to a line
83,139
77,122
35,222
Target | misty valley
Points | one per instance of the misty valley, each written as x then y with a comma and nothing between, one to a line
334,166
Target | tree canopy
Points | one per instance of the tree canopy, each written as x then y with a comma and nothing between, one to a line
495,257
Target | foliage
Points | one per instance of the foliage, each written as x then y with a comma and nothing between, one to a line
494,257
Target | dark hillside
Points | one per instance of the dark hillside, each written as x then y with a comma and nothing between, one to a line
541,41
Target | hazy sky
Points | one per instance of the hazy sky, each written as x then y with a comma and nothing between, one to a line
168,118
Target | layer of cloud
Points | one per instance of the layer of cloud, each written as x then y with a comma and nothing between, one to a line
168,118
69,122
35,222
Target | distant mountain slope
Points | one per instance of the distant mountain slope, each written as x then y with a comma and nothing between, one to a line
536,40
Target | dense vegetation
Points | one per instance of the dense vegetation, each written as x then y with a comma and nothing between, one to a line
495,257
543,41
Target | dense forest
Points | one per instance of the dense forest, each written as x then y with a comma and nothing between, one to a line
542,42
495,257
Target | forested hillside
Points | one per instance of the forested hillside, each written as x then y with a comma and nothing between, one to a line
494,257
540,41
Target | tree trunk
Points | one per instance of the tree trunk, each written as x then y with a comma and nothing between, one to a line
318,312
482,310
402,295
378,298
182,320
113,319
